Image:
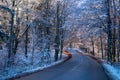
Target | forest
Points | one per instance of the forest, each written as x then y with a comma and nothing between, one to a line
35,33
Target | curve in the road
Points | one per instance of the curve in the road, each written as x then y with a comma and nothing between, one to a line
79,67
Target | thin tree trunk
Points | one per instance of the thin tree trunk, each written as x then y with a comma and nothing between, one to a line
118,54
109,32
33,44
93,48
61,44
101,42
48,27
114,45
11,54
26,43
57,38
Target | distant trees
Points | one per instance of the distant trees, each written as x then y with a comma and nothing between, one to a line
99,31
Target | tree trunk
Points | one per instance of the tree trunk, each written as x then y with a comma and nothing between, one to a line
10,53
47,27
101,42
61,44
118,54
114,45
26,43
93,48
109,32
33,44
57,38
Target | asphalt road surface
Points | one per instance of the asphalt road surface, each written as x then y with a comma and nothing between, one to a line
79,67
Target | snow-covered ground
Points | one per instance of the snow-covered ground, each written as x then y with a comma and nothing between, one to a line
28,70
23,65
112,70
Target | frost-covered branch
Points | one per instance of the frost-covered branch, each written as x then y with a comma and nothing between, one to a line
7,9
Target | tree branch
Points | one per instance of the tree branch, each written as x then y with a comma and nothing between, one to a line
7,9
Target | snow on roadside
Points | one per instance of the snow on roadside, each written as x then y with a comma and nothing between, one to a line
112,70
73,50
32,69
23,65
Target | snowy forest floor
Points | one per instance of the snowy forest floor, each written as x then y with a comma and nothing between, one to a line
25,65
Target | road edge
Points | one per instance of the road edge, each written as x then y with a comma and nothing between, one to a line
68,56
101,64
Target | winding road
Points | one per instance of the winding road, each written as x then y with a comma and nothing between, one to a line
79,67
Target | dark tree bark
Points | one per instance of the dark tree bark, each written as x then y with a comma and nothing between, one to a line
47,27
101,43
10,44
26,41
114,45
109,32
61,43
57,37
93,47
118,54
